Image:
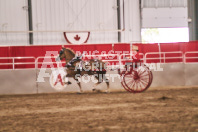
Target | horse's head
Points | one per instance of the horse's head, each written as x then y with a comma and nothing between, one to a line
61,54
66,53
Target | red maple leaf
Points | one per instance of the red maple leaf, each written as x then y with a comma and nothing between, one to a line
77,38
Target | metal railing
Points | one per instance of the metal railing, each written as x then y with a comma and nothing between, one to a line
131,55
162,56
120,58
190,57
109,58
14,63
46,62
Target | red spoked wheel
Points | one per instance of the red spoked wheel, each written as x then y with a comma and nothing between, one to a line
137,80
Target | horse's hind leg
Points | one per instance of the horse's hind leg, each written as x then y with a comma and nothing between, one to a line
98,79
94,87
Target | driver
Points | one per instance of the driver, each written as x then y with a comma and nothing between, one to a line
136,58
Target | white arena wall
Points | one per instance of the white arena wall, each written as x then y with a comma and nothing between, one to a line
50,18
24,81
18,81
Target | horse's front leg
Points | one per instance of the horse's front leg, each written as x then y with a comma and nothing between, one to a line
107,83
68,82
78,82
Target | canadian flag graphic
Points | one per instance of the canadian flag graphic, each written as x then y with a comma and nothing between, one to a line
76,38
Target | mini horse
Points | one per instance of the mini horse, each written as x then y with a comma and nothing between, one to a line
79,68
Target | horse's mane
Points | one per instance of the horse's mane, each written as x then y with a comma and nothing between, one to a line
70,51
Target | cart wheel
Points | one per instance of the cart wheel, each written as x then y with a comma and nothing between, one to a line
122,81
138,80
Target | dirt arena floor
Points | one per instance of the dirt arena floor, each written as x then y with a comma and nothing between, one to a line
153,110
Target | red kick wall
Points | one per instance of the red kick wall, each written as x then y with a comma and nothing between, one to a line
35,51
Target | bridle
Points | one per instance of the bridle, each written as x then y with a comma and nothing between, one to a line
62,52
